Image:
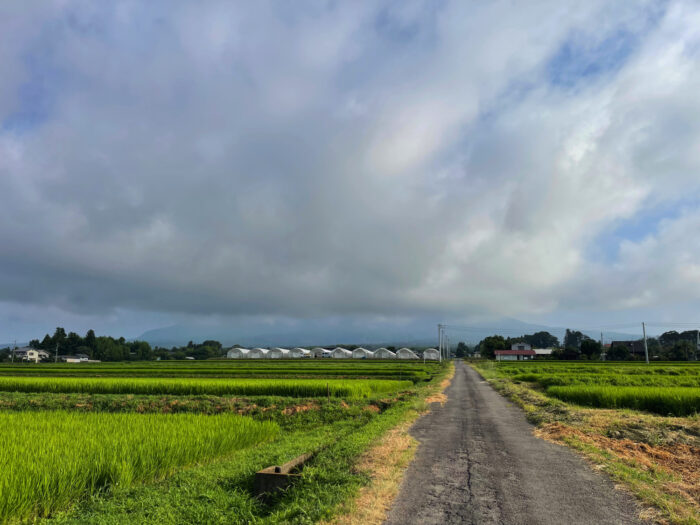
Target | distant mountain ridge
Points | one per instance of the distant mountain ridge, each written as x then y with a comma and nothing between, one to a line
320,333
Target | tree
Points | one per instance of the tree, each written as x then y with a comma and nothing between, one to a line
681,351
73,341
590,348
541,340
489,345
462,350
573,338
90,340
59,336
34,343
619,352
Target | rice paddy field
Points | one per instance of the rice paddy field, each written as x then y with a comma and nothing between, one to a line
665,389
638,422
180,442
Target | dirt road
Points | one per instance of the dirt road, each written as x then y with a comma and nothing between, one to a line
478,463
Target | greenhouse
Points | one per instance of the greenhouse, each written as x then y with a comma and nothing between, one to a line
362,353
278,353
406,353
384,353
431,354
237,353
320,352
299,352
341,353
258,353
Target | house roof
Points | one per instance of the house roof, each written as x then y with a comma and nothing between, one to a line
515,352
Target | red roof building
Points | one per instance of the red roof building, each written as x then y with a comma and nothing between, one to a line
514,355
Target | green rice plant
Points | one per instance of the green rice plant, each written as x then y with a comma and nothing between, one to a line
676,401
355,388
416,372
617,379
50,459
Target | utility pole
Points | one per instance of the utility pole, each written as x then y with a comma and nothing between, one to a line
14,347
440,340
646,348
56,361
602,348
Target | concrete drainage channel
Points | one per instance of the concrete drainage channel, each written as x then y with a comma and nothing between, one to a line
271,480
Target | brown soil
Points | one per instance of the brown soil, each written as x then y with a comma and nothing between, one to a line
440,396
299,408
680,460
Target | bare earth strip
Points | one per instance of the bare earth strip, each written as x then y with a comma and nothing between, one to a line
386,464
479,463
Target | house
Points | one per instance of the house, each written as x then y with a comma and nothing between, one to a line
520,346
237,353
514,355
543,351
341,353
384,353
31,354
362,353
431,354
406,353
70,359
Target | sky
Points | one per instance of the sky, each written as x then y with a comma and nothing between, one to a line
168,162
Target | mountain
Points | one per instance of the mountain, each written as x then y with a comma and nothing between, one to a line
333,331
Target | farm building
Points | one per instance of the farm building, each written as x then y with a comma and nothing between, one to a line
341,353
406,353
514,355
258,353
362,353
278,353
431,354
320,352
520,346
543,351
384,353
31,354
237,353
299,352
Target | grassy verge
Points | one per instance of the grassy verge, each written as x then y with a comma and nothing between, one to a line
656,458
220,491
385,463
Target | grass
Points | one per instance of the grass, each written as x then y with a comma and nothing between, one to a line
49,459
211,482
411,370
660,400
355,388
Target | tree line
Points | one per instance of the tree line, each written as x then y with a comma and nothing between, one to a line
670,346
106,348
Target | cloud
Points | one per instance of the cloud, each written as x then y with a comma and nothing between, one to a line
395,159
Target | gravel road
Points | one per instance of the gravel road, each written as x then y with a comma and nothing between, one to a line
479,463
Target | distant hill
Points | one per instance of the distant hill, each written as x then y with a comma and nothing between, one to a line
325,333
